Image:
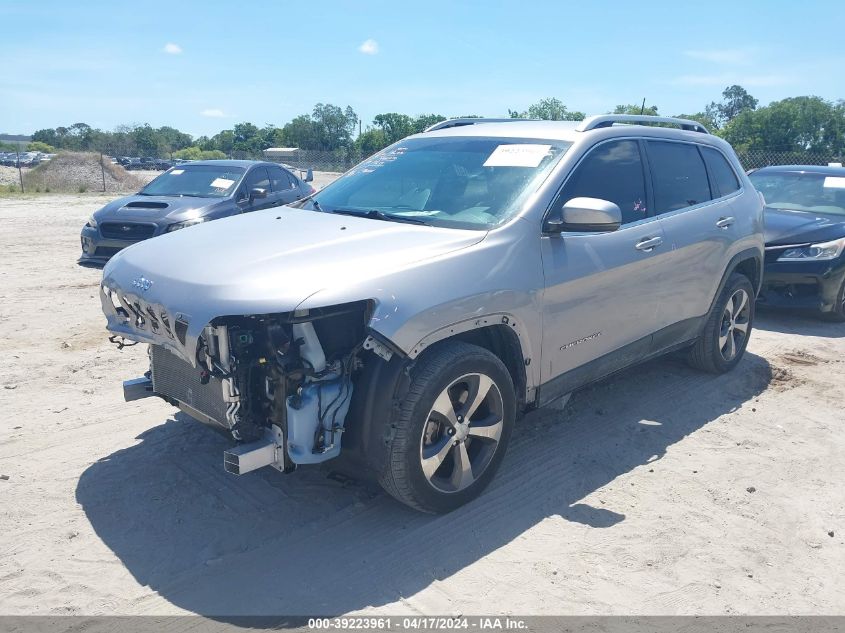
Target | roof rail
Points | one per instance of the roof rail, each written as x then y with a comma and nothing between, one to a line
606,120
442,125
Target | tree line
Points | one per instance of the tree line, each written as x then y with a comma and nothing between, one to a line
795,124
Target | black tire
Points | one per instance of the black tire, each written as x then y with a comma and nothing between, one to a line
708,353
837,315
434,375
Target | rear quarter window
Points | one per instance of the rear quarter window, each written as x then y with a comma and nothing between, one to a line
280,179
722,176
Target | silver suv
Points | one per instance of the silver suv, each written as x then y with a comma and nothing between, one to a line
399,321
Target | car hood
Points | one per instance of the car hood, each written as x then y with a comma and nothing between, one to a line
269,261
139,208
786,226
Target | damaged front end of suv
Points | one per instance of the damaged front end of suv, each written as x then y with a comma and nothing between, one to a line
280,384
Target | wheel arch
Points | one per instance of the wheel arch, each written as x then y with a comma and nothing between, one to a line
501,341
501,334
384,384
748,262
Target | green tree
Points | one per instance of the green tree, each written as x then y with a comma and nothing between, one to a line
146,140
333,126
394,126
195,153
171,139
549,109
47,136
371,141
272,136
633,108
246,139
426,120
223,141
301,132
795,124
702,117
328,127
735,101
40,146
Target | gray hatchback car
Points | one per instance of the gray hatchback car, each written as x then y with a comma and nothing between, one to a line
185,195
398,322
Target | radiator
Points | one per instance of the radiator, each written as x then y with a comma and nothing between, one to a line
177,379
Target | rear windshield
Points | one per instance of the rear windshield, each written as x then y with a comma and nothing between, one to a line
459,182
202,181
801,191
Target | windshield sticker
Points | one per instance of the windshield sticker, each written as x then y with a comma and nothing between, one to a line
222,183
517,155
834,182
176,172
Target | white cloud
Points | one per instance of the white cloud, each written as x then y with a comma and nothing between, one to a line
723,55
215,113
172,49
369,47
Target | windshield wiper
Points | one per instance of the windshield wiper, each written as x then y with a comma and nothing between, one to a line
297,204
375,214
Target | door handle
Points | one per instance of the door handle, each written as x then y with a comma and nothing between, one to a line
724,223
648,244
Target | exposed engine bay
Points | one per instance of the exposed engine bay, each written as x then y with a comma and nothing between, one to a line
280,384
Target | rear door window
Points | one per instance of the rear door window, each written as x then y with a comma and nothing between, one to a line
678,176
611,171
723,179
281,180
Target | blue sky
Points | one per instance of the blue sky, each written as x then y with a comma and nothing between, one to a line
202,66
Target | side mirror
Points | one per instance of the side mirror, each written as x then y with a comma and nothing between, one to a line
309,175
257,192
584,215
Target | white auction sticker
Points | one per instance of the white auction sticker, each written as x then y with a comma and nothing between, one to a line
176,172
517,155
222,183
834,182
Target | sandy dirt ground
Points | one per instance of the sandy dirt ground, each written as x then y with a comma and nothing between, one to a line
659,491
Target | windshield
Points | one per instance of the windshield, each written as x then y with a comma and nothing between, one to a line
802,191
459,182
202,181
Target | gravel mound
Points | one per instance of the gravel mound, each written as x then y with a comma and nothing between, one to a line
79,172
9,175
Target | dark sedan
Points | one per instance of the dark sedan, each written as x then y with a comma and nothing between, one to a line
805,238
186,195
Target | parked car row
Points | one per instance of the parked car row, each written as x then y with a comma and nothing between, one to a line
399,320
23,159
148,163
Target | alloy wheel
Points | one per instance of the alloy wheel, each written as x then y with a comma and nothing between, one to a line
735,322
461,433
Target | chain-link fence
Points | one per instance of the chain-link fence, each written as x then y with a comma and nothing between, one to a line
338,160
754,159
111,172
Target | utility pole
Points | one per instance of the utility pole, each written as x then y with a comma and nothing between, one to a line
103,172
18,161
